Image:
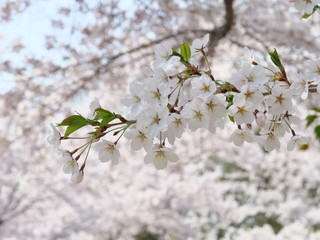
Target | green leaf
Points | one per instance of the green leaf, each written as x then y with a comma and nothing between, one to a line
317,132
306,15
185,51
107,119
276,59
73,122
231,118
310,119
101,113
92,133
175,53
69,120
182,60
316,109
230,101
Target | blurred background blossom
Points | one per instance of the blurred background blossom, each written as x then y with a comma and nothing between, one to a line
58,56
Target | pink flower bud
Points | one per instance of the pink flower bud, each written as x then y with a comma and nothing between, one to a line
261,119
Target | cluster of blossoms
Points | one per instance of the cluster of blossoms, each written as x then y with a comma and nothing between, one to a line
307,6
294,231
178,94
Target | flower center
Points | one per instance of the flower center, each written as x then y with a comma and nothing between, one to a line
156,94
160,154
110,149
211,106
242,110
240,135
136,99
249,94
251,78
164,79
205,88
197,115
279,99
142,137
177,122
156,120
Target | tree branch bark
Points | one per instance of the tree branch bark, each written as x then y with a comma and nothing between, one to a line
220,32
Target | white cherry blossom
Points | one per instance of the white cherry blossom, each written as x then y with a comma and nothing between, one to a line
108,151
65,156
249,75
156,93
297,140
55,137
269,141
139,139
160,157
306,5
313,68
94,105
77,177
203,87
177,124
216,107
261,119
199,44
247,57
196,113
71,166
252,94
240,135
134,100
241,110
279,127
300,86
154,119
162,77
164,56
280,100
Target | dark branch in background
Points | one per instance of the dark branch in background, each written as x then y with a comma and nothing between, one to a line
220,32
215,36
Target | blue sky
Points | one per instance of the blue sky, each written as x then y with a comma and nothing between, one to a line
31,26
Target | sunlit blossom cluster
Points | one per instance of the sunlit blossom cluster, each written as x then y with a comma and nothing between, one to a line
178,95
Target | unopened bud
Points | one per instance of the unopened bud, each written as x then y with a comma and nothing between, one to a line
261,119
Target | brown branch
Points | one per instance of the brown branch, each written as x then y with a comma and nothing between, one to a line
220,32
215,35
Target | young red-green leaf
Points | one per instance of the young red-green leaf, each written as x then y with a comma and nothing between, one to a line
185,51
74,122
310,119
276,59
